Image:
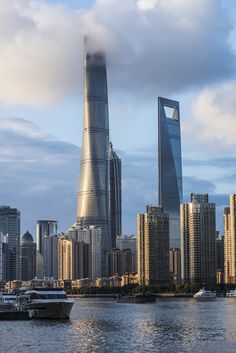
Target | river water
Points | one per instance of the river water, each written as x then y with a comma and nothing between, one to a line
103,325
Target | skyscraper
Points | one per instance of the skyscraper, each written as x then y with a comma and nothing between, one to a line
27,257
170,164
198,240
230,241
115,195
45,229
65,258
153,246
10,227
50,257
93,195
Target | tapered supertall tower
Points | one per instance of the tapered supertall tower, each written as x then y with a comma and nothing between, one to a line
93,195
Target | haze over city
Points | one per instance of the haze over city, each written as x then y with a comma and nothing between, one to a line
180,49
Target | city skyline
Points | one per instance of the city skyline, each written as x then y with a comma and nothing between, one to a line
40,156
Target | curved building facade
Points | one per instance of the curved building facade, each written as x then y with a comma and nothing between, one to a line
93,195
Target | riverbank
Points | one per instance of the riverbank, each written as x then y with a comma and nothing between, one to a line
114,296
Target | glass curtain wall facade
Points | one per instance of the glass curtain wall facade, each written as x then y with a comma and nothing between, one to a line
170,165
115,195
10,228
93,195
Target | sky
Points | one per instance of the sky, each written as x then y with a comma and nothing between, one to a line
180,49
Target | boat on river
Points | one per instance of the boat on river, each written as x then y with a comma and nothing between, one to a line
231,294
46,303
204,294
136,298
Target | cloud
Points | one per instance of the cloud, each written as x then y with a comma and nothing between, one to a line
153,47
38,173
214,116
197,185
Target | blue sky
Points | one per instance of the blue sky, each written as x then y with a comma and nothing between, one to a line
180,49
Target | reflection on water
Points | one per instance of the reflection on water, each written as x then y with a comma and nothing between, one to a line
102,325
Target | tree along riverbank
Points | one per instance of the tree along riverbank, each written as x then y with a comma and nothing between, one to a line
162,291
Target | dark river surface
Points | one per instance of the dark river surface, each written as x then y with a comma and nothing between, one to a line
103,325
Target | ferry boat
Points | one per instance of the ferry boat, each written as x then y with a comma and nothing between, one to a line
46,303
204,294
231,294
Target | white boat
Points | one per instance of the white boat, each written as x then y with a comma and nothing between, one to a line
46,303
204,294
231,294
8,298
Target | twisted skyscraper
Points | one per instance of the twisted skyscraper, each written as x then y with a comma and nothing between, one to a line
93,195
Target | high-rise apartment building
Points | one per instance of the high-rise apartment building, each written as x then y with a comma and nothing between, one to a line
198,240
81,261
115,195
27,257
153,246
10,228
230,241
170,165
65,258
93,195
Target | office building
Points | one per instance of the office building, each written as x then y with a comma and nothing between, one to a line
4,274
198,240
115,195
92,235
129,242
50,256
93,195
230,241
10,228
170,165
27,257
153,246
45,228
120,262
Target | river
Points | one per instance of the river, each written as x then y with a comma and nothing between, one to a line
103,325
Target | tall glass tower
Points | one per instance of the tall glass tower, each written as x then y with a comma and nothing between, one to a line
93,195
115,195
170,165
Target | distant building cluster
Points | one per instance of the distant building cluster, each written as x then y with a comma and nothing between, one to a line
176,242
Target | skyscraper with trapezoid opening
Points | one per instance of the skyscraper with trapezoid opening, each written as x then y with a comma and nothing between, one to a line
170,165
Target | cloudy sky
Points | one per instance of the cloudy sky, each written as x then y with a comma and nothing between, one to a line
180,49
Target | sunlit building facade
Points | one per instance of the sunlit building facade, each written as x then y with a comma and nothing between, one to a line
153,246
93,194
198,240
230,241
